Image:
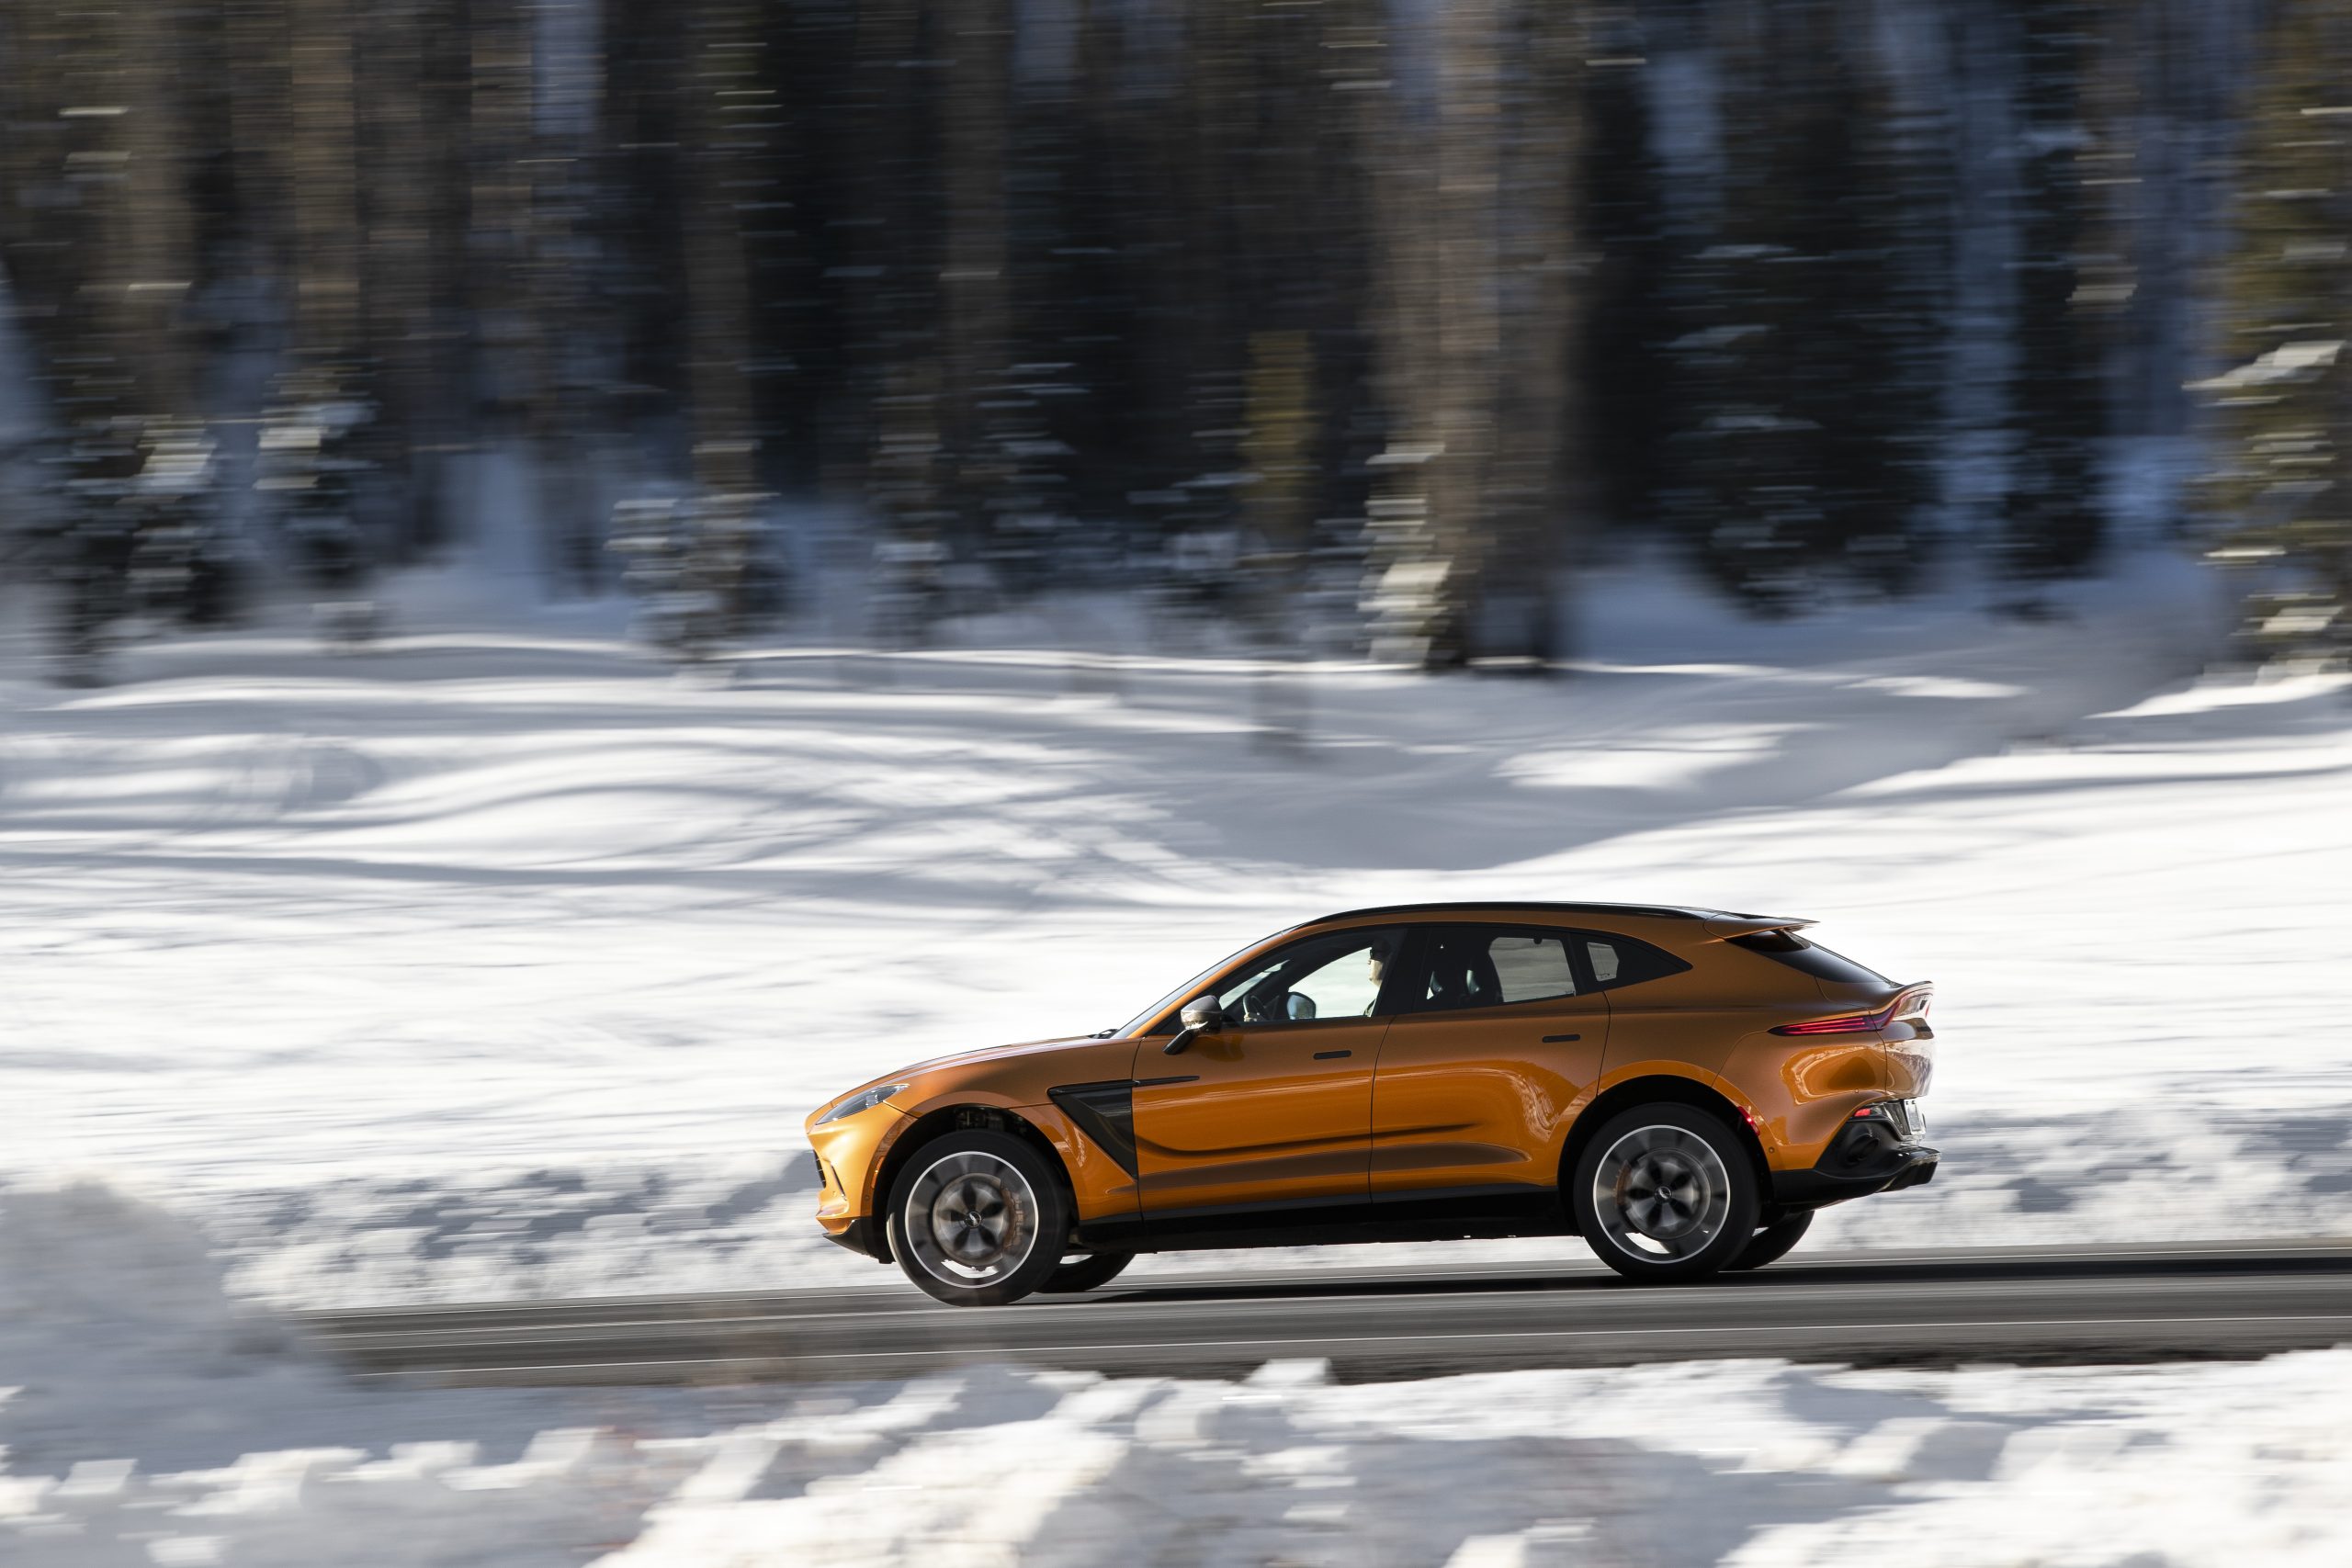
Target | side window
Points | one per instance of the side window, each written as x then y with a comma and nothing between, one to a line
1532,966
1337,976
1619,961
1481,967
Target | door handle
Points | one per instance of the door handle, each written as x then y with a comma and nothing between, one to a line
1332,1055
1560,1038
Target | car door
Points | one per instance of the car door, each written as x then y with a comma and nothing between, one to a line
1498,1035
1274,1111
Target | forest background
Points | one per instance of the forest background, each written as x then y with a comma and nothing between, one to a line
1344,325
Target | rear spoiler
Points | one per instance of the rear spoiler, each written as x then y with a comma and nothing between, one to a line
1723,927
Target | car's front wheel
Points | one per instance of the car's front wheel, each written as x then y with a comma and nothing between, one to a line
978,1218
1665,1193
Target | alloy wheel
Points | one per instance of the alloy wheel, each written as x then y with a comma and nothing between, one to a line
970,1218
1661,1193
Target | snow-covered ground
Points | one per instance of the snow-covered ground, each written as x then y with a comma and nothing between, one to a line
150,1422
502,960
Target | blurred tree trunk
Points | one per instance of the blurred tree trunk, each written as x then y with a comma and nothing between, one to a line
1806,359
727,101
897,261
101,226
2280,496
646,72
1536,501
499,146
1623,342
322,178
102,249
983,406
260,71
396,138
153,244
1474,174
562,338
2055,522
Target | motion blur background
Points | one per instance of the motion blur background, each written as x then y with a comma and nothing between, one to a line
1348,324
579,578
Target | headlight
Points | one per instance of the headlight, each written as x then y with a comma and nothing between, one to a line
863,1100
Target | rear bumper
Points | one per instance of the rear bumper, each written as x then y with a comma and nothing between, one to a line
1863,1159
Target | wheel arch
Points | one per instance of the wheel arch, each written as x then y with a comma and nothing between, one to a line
1650,1088
940,1119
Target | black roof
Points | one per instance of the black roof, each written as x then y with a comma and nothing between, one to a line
1650,911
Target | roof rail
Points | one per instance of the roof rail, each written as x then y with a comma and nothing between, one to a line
1649,911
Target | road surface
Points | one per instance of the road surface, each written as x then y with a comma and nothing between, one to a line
1925,1308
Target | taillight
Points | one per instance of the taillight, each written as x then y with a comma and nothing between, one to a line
1911,1002
1849,1023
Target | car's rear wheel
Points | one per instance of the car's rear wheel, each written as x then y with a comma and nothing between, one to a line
977,1219
1772,1243
1086,1272
1665,1193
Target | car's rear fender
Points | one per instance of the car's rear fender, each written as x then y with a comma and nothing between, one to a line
1652,1083
1796,1092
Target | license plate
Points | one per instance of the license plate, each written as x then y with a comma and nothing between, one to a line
1915,1121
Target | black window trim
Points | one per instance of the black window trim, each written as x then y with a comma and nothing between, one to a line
1681,965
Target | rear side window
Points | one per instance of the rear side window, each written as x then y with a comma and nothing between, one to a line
1531,967
1787,947
1485,966
1619,961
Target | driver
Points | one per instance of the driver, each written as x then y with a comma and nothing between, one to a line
1376,961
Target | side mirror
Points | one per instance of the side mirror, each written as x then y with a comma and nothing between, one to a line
1201,1016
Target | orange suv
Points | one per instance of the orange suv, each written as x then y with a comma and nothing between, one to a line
1682,1087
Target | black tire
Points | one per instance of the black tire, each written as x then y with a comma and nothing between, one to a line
1664,1193
1084,1273
1772,1243
977,1219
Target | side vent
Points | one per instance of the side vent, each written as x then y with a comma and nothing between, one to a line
1106,1113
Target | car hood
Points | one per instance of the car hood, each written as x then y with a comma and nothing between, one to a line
987,1053
1017,1075
1024,1074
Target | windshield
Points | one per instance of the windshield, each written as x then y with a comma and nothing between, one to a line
1173,997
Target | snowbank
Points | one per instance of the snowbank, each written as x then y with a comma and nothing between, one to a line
1745,1464
146,1419
153,1422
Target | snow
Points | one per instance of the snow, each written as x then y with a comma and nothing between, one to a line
149,1419
501,959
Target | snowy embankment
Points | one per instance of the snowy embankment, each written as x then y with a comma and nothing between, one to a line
148,1421
501,962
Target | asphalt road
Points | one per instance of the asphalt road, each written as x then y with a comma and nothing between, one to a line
1926,1308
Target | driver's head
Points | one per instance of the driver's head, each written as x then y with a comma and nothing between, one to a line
1384,948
